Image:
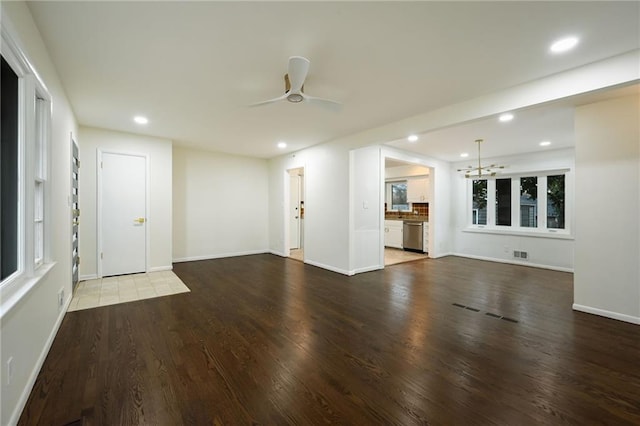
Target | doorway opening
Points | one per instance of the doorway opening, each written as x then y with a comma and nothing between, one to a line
296,213
407,202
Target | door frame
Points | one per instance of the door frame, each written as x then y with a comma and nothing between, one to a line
287,207
75,214
99,154
299,219
411,160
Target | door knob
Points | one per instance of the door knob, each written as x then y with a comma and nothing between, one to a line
139,220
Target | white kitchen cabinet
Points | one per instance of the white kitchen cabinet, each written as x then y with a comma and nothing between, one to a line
393,233
425,237
418,190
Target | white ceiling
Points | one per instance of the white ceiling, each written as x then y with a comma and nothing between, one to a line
193,67
552,122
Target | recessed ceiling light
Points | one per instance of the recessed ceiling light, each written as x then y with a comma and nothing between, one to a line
545,143
282,145
507,116
564,44
140,119
412,138
464,154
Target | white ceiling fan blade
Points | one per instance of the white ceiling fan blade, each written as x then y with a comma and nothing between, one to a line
270,101
298,69
334,105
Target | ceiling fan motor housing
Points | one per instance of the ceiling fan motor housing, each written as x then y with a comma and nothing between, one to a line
293,97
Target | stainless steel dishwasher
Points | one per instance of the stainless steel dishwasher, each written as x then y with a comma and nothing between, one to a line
412,236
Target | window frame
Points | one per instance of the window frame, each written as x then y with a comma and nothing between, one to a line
34,134
389,194
515,228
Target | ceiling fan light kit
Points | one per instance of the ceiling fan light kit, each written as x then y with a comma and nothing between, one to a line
480,171
294,85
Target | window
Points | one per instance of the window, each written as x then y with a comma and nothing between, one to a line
9,172
529,202
40,178
397,195
26,117
518,200
555,202
479,203
503,202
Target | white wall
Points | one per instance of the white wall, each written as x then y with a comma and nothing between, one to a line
159,153
607,277
366,211
326,205
220,205
338,230
28,329
543,251
405,171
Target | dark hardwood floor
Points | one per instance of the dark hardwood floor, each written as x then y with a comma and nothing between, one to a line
268,340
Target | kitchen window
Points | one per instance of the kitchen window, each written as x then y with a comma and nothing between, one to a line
397,196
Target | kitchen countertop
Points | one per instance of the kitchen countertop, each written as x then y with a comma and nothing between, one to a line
414,218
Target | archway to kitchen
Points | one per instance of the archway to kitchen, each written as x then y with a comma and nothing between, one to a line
294,211
407,198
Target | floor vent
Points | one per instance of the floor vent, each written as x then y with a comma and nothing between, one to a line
466,307
489,314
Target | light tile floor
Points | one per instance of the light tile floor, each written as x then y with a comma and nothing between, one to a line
393,256
297,254
125,288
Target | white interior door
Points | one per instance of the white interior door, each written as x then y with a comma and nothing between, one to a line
294,212
123,213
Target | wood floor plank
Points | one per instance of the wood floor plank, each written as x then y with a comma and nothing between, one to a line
268,340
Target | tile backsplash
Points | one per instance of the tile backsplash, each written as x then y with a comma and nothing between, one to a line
421,210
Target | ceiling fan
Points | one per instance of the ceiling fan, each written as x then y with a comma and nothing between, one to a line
294,86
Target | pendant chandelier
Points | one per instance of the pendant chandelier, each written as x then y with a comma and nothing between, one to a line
480,171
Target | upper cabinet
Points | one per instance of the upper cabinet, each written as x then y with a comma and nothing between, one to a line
418,190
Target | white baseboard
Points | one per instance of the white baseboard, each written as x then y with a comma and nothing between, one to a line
439,255
160,268
366,269
607,314
219,256
278,253
514,262
88,277
22,401
329,268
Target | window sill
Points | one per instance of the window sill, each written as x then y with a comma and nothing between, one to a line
564,235
12,292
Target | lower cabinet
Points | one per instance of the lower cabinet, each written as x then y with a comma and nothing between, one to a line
425,237
393,233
